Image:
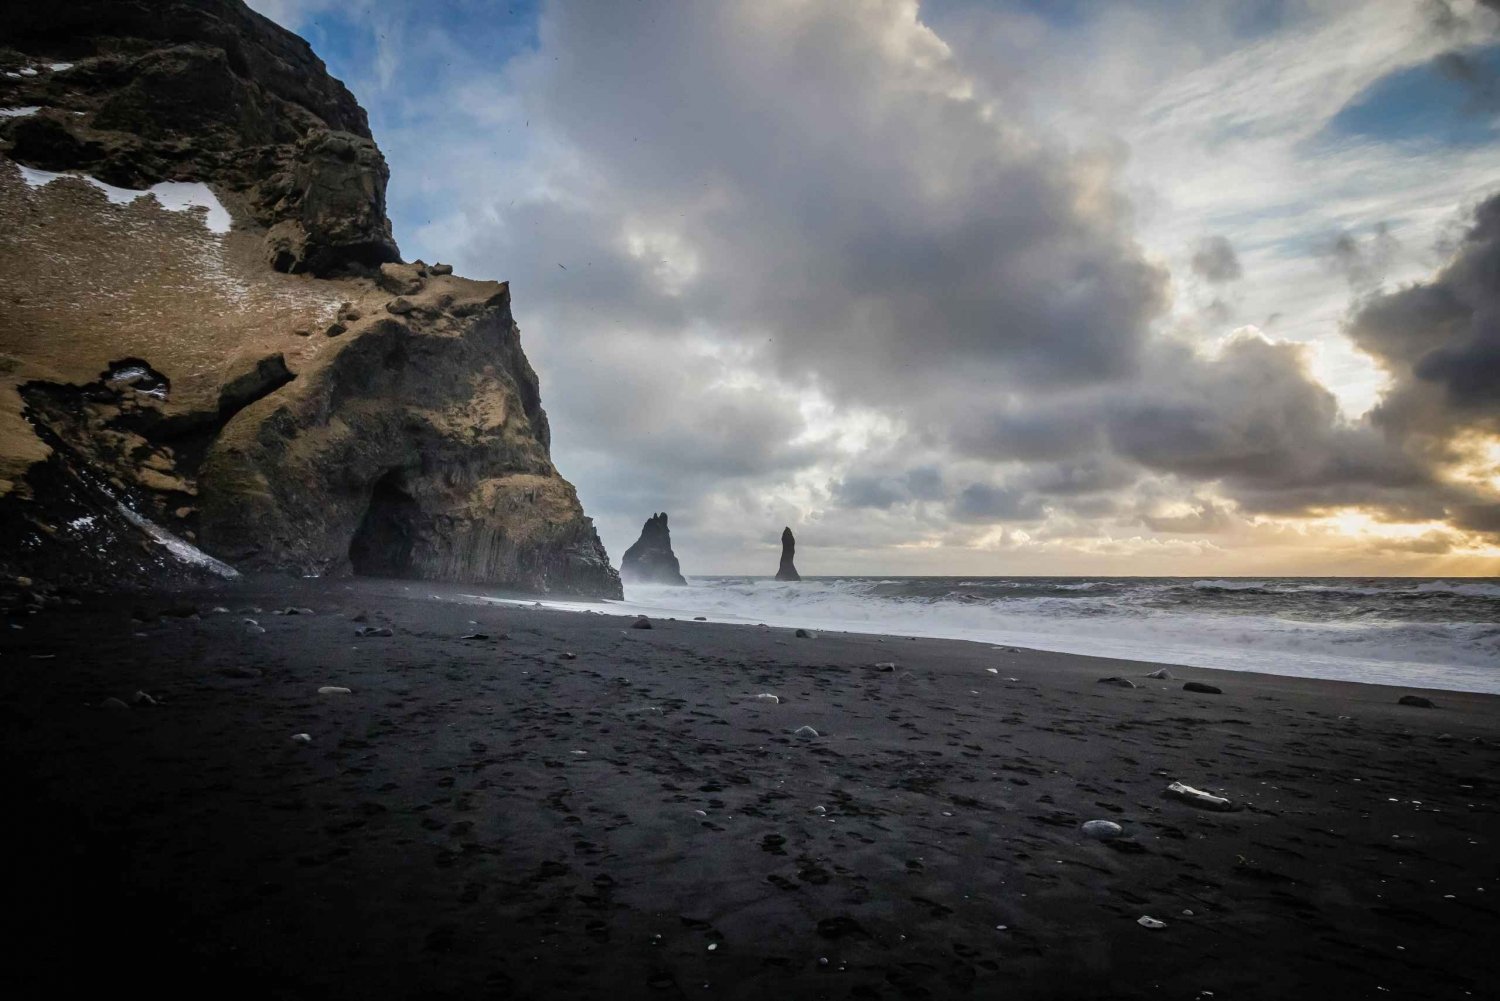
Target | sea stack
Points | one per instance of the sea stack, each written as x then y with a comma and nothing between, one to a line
651,560
788,570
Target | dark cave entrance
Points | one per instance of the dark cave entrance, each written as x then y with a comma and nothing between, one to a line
382,545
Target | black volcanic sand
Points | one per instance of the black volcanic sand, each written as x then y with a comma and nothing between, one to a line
484,818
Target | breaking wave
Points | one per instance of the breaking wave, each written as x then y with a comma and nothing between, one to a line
1434,633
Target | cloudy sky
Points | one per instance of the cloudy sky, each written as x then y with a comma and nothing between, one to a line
978,286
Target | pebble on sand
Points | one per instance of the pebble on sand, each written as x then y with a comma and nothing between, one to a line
334,690
1416,700
885,665
1197,797
1117,682
805,732
113,703
1103,830
374,631
1161,675
803,634
302,738
1201,688
767,697
142,699
567,655
641,623
1146,921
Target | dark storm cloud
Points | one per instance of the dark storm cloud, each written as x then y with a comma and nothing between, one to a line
846,198
1363,262
1252,420
1440,341
1215,261
1477,76
869,491
882,491
984,503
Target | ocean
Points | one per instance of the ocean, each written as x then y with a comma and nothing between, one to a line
1431,633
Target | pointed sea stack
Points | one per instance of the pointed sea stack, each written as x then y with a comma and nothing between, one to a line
788,570
651,560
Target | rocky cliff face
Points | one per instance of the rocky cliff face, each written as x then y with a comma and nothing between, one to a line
286,394
651,560
203,90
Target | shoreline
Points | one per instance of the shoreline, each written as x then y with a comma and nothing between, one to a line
1445,677
487,816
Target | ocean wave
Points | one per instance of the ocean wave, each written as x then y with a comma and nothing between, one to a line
1440,634
1255,586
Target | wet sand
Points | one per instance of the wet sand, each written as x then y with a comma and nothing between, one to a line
488,818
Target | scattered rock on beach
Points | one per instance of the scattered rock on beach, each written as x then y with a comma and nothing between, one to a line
302,738
641,623
803,634
142,699
113,703
1197,797
567,655
1201,688
1103,830
1418,701
1161,675
885,665
334,690
805,732
1117,682
767,697
374,631
1146,921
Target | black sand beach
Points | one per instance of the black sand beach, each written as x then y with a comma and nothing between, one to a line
491,817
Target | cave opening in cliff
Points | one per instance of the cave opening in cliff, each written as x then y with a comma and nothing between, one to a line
382,546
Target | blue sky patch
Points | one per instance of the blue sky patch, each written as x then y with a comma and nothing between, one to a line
1453,100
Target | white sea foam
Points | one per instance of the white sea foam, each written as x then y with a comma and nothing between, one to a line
1296,628
25,112
175,196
